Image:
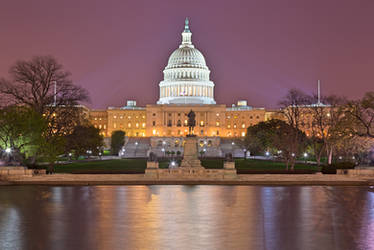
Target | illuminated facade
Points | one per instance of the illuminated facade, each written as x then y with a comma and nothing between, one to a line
186,86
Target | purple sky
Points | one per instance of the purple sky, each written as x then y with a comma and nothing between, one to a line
256,50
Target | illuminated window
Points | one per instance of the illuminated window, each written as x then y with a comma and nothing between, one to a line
95,118
217,124
136,117
154,132
114,125
104,126
137,125
115,117
100,126
185,122
99,119
243,125
143,116
229,126
217,114
143,125
129,117
234,125
121,117
129,124
243,133
201,123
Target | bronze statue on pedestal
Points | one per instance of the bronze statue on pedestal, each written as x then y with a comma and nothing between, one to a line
191,123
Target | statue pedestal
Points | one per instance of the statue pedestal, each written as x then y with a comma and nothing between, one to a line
190,158
229,170
152,169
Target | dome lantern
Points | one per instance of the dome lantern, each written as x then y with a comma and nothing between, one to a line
186,35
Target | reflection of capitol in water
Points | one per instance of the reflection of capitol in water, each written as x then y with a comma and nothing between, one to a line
186,85
186,217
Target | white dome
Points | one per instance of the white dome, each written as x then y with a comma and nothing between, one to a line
186,57
186,77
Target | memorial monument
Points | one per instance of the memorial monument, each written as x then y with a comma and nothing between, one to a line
190,158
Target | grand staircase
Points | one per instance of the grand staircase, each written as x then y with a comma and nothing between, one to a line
136,147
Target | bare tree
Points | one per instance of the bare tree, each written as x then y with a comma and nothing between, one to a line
43,85
293,108
32,83
362,111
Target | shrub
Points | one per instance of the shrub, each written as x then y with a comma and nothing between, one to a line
343,165
328,169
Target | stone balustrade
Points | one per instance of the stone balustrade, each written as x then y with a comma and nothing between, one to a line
14,171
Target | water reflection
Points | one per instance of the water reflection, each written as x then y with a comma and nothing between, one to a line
186,217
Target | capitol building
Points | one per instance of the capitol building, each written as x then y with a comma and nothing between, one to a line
186,86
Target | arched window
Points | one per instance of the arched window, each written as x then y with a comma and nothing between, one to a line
179,123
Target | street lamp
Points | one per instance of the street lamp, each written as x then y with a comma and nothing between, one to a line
305,156
8,150
267,153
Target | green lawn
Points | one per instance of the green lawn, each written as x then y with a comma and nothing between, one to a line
139,165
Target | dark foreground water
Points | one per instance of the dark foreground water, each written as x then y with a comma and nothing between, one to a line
186,217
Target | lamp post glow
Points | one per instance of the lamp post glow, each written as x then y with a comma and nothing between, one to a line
8,150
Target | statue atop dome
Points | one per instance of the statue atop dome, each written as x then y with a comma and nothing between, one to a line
186,26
